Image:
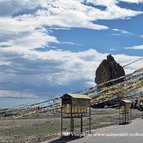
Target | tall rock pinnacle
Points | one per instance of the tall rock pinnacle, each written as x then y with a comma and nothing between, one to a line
109,69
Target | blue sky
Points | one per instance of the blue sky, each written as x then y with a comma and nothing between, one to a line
50,47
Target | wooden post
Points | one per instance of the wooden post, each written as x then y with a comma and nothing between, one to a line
119,115
81,128
61,122
71,122
72,126
119,111
89,119
125,114
130,115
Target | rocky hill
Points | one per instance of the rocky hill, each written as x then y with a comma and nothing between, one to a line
109,69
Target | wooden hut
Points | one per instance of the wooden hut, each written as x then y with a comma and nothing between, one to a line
75,106
125,111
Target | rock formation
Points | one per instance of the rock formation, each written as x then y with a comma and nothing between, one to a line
109,69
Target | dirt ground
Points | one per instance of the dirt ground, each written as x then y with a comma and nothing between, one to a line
38,130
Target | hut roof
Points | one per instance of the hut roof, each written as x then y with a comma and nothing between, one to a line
80,96
127,101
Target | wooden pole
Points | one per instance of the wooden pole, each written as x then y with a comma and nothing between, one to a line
125,115
130,115
119,111
71,122
119,115
89,119
61,122
81,128
72,126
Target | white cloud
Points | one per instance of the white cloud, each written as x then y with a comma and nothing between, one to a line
132,1
122,32
32,20
139,47
70,43
60,67
112,49
112,10
25,26
125,59
22,36
17,94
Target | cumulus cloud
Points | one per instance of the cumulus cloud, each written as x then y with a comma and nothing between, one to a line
22,36
25,26
139,47
54,71
112,10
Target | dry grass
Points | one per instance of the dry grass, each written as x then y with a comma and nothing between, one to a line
36,130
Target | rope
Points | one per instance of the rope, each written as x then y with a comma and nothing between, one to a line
132,62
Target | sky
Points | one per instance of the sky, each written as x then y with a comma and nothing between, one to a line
51,47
